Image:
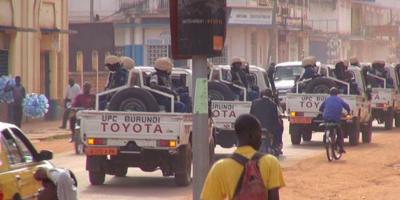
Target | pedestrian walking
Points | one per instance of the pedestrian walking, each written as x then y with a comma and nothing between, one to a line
19,94
266,111
246,169
72,91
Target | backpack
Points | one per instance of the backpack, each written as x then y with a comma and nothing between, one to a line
250,185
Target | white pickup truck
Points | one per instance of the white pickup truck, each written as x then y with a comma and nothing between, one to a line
226,105
137,132
383,98
303,108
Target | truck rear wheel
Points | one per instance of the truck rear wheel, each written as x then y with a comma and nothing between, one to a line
354,131
367,132
134,99
184,163
295,134
389,119
397,120
212,151
97,177
306,133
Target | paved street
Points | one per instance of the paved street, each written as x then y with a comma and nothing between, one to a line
149,186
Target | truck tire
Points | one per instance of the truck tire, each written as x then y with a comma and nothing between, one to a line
184,161
306,133
220,91
212,151
397,120
121,171
133,99
366,130
354,131
97,177
389,119
295,134
319,85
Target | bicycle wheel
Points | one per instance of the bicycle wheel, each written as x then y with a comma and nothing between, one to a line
328,145
335,145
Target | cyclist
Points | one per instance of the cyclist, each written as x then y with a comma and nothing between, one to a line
331,110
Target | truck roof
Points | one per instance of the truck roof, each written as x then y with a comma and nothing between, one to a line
4,125
175,69
228,67
286,64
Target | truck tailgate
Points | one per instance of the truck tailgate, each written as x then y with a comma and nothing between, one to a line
308,104
224,113
381,97
143,127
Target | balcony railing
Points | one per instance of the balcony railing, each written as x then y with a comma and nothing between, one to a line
148,6
326,26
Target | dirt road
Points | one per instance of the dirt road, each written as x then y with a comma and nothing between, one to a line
366,172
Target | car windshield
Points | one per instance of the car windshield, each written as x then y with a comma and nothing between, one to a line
288,72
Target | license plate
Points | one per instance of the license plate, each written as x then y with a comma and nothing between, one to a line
98,151
300,120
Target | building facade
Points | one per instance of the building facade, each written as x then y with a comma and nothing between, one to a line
34,44
331,29
145,35
344,28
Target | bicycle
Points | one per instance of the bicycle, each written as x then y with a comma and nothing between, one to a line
331,141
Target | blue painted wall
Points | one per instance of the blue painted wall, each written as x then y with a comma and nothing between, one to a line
136,52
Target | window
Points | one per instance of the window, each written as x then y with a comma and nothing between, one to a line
156,51
3,62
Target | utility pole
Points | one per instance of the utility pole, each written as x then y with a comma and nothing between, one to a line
273,35
91,11
200,133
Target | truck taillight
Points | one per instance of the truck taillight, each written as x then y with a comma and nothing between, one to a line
381,105
296,114
166,143
96,141
1,195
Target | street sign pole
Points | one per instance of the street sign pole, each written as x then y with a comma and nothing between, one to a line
200,132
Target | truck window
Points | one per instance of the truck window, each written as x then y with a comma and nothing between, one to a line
288,72
27,155
13,153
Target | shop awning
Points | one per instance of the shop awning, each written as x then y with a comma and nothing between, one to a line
17,29
56,30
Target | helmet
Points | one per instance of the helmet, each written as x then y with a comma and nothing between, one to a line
379,62
354,61
236,60
163,64
333,91
127,62
308,61
111,62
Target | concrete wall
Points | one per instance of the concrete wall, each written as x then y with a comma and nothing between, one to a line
28,49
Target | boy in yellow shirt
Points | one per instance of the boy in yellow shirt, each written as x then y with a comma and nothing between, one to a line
222,179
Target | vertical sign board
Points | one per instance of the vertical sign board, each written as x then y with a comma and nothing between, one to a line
198,27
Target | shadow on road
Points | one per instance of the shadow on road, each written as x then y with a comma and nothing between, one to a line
139,187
